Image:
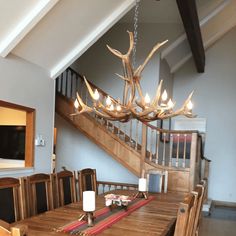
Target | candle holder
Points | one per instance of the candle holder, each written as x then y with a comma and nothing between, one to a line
141,194
88,207
142,189
89,217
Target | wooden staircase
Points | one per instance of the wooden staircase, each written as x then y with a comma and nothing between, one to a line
137,146
100,135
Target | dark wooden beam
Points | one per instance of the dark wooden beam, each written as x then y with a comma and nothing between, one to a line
188,12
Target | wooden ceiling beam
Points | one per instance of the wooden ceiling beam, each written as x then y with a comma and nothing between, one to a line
188,12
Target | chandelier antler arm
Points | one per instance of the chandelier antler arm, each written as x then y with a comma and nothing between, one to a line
139,70
131,46
115,52
131,43
84,107
158,94
122,77
92,94
182,111
111,115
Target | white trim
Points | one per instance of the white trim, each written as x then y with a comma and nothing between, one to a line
217,10
92,38
173,45
23,28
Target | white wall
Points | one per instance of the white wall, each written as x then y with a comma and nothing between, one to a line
26,84
75,151
214,99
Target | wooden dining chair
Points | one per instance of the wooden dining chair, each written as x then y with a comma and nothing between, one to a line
11,200
157,180
193,212
65,187
39,193
17,230
184,216
87,179
201,189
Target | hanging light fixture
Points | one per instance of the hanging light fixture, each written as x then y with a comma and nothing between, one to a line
133,107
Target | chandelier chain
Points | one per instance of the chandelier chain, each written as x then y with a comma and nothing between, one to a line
136,13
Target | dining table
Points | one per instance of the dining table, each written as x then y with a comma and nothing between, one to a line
155,215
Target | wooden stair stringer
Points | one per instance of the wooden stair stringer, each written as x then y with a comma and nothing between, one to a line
98,134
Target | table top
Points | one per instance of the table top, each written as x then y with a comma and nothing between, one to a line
155,218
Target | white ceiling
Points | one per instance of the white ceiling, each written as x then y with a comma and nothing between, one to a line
54,33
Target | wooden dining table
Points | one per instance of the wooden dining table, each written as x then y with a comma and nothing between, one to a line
157,217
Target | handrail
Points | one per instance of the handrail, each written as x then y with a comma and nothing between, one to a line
170,131
92,84
118,184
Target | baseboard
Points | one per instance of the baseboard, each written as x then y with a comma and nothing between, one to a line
224,204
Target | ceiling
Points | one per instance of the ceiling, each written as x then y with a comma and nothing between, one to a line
54,33
152,11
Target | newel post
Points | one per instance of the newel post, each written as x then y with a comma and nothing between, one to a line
143,149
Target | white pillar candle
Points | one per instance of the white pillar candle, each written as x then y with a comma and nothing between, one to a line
142,185
89,201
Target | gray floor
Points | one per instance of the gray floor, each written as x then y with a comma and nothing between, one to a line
222,221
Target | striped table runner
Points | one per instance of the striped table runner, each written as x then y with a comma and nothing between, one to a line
104,218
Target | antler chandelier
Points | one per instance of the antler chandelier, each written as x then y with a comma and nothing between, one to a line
141,108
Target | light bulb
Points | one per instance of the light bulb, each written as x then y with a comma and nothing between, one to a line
147,99
76,104
118,107
190,105
96,95
164,96
111,107
170,103
108,101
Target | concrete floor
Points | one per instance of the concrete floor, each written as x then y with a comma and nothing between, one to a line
221,222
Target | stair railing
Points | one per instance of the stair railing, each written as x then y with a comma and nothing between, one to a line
166,148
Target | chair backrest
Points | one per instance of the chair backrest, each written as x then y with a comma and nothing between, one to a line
193,212
185,214
11,201
65,183
87,181
157,180
201,189
39,193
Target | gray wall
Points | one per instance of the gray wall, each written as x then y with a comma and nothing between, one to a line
214,99
28,85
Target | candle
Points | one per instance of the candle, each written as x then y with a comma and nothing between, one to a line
89,201
142,185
